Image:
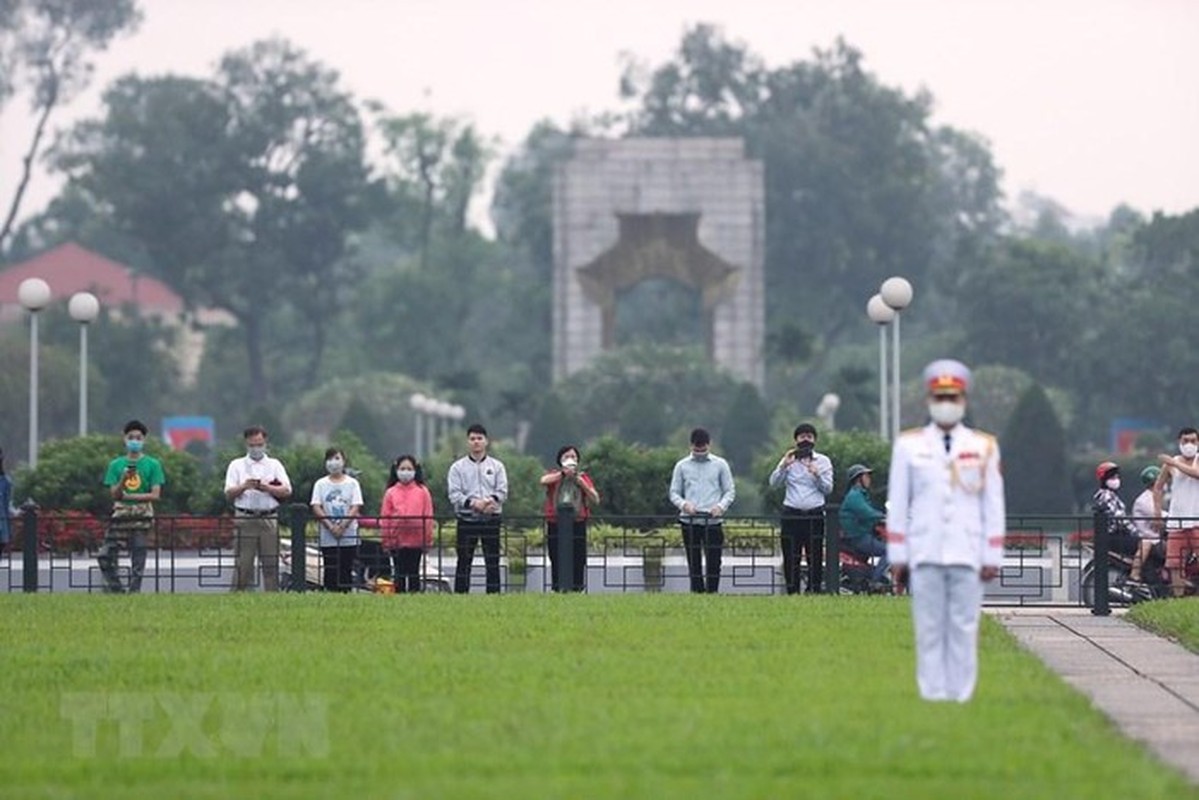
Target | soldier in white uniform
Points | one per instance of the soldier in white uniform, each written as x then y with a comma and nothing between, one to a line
945,526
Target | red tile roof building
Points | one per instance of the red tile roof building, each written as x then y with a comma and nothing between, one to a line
70,268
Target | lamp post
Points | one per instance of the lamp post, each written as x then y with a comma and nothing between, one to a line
826,410
881,314
457,414
83,308
897,294
34,295
418,404
442,411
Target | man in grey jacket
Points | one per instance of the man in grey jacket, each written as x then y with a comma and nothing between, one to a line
701,488
478,487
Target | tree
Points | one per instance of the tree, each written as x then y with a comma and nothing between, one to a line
252,181
746,427
859,184
1018,307
1143,358
1036,470
645,393
58,390
361,421
45,49
437,162
554,427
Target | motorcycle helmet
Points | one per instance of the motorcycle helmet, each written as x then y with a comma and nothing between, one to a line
1105,469
1149,475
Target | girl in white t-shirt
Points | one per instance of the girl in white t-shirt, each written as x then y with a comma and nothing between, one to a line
337,502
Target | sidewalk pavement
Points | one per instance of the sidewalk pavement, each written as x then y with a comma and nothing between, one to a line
1147,685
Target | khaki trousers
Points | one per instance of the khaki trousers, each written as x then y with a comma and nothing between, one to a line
256,536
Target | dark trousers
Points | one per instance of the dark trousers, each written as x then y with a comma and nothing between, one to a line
120,535
339,567
700,541
578,572
470,533
407,568
803,534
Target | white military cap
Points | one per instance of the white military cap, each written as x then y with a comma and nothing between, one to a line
947,376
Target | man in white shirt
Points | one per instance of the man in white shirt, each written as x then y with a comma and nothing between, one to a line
1181,474
255,484
945,528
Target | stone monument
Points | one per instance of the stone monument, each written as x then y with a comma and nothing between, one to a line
691,211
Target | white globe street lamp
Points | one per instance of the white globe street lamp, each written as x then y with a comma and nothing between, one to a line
418,402
881,314
897,294
34,295
83,308
826,410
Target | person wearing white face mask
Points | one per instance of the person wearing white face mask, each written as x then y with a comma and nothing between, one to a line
946,519
406,520
336,503
702,489
255,484
568,486
1122,536
1181,474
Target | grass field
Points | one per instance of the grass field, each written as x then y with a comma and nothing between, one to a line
515,696
1178,619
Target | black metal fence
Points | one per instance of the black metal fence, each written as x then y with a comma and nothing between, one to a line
1048,560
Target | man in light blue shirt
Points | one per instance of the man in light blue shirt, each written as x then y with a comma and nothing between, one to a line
701,488
809,479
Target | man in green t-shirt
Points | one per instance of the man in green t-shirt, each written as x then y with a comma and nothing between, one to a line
134,481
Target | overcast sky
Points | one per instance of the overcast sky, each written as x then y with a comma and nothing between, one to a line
1091,102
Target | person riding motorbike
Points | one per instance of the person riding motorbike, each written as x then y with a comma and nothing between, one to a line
1147,528
859,522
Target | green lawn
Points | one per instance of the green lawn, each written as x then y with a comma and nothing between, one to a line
1178,619
523,696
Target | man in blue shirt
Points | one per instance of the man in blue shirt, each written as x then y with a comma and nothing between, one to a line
701,488
809,479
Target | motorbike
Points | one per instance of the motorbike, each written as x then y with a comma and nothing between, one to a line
857,576
1155,581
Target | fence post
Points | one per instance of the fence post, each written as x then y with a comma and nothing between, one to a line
1101,606
832,553
566,549
299,547
29,546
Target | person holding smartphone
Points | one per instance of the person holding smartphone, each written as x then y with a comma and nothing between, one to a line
808,476
134,482
255,484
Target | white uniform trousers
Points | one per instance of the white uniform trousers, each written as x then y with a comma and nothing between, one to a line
946,603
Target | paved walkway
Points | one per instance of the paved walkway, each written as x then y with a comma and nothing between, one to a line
1148,685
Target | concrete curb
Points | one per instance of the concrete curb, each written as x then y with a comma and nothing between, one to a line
1147,685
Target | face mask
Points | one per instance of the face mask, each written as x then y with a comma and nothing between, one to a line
569,463
1113,483
134,445
405,475
334,466
256,452
1188,449
946,412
